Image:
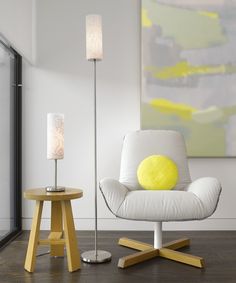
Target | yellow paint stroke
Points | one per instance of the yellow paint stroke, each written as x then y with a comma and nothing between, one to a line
188,28
166,106
146,22
183,69
211,15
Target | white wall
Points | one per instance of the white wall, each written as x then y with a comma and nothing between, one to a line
62,81
16,25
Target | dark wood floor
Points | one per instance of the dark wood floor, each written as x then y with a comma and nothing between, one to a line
218,249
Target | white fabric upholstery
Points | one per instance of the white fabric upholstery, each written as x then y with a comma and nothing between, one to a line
114,193
195,200
198,202
208,191
141,144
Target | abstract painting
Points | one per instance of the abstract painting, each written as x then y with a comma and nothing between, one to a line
189,72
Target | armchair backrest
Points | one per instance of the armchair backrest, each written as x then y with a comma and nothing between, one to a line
141,144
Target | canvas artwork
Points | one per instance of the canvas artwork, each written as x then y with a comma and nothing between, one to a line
189,72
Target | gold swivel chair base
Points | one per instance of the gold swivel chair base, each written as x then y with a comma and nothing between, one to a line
147,251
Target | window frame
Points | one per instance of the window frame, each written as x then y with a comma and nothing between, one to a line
17,146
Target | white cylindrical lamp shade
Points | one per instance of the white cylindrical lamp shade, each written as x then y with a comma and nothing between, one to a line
55,136
94,37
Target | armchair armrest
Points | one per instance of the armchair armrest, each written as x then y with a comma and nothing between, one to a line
208,190
113,192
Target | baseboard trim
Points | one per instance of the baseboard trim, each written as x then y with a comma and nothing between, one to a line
121,224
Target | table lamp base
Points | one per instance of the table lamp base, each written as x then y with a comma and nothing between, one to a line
53,189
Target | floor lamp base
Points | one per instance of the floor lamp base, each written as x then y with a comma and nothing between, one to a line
92,257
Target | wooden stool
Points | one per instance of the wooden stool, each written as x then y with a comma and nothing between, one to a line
61,212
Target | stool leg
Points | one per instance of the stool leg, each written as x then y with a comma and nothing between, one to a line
73,256
56,228
34,238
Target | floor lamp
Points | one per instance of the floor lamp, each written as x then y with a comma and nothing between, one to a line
94,53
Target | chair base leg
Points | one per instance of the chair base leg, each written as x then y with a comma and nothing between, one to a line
168,251
137,258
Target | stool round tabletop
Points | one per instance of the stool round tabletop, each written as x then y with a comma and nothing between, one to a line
42,194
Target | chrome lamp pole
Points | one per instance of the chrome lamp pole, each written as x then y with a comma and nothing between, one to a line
94,54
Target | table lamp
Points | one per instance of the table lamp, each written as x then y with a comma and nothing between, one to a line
55,144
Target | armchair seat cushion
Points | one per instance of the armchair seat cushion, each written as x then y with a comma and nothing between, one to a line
198,201
161,206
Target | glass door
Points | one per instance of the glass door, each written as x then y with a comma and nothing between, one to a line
10,143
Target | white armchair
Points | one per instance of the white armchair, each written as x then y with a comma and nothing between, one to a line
187,201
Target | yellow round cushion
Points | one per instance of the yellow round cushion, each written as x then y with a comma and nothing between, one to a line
157,172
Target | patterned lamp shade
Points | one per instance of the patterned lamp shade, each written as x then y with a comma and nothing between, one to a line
94,37
55,136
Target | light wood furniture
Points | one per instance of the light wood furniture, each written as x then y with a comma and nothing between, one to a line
168,250
61,212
